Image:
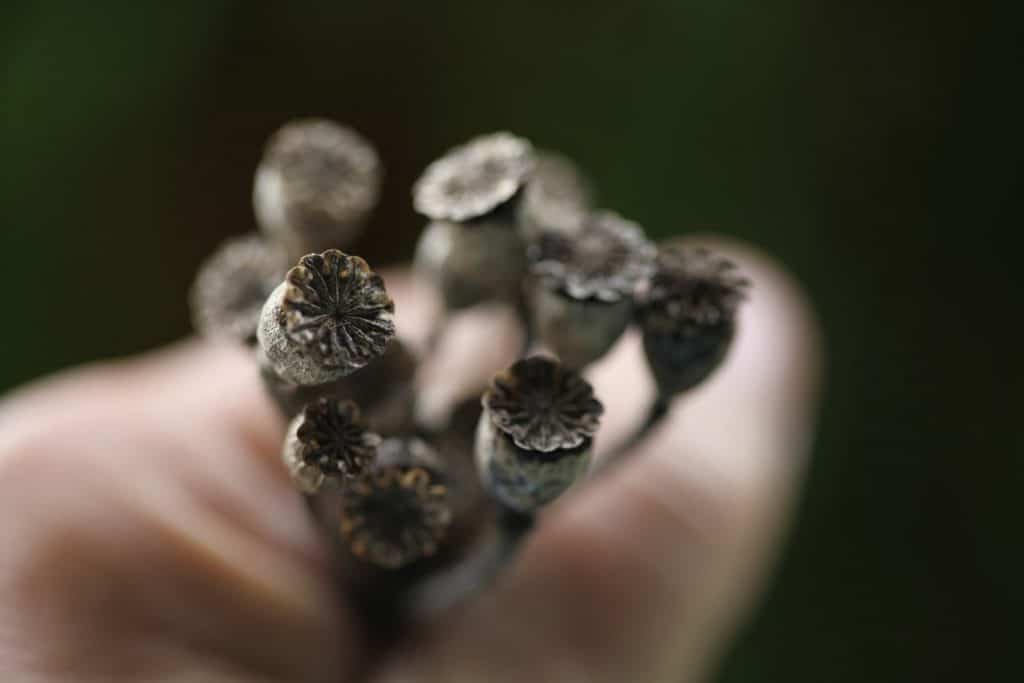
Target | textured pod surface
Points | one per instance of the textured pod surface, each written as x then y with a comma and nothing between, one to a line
606,260
525,480
472,263
688,315
397,514
333,437
577,331
542,405
316,182
474,179
232,285
330,317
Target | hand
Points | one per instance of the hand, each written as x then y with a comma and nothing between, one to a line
150,533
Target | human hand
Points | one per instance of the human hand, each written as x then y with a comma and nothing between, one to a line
151,533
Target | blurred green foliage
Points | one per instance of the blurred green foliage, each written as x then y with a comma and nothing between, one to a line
872,147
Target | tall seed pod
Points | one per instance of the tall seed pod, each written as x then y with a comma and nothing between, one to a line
471,250
315,185
580,290
535,434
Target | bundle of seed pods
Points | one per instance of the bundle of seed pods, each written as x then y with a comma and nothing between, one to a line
419,515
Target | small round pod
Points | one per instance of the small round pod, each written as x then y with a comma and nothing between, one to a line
687,315
468,263
557,198
535,435
400,511
330,317
328,442
231,286
315,185
580,289
474,179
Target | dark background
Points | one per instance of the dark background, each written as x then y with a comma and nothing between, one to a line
874,147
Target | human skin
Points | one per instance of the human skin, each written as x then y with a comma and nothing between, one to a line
150,532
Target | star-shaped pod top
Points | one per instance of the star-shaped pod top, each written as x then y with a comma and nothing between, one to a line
336,308
543,406
605,261
474,179
692,288
333,438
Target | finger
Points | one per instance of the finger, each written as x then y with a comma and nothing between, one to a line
145,518
639,574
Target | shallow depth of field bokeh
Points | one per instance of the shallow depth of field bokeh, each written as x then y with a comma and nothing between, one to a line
872,147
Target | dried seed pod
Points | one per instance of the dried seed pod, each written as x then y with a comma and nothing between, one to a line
327,441
315,185
474,179
472,262
400,512
330,317
556,198
580,292
688,315
232,285
535,435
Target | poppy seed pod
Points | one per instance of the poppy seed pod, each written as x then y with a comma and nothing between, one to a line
580,291
232,285
556,199
330,317
535,434
688,315
315,185
399,512
474,179
472,262
328,440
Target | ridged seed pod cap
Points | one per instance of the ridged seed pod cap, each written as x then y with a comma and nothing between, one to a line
330,317
329,440
474,179
605,261
542,405
397,514
316,182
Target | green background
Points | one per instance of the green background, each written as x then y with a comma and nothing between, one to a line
874,147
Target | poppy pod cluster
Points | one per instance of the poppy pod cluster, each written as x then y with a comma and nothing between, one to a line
419,507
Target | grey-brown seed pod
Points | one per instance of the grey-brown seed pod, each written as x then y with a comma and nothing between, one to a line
397,514
580,290
557,197
232,285
472,262
474,179
330,317
688,315
315,185
535,434
328,441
